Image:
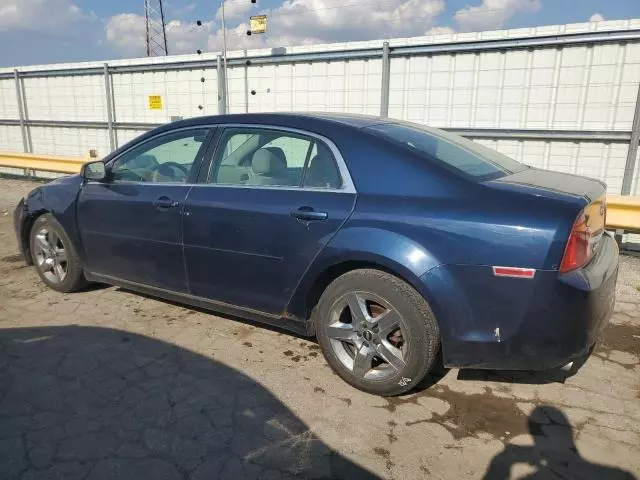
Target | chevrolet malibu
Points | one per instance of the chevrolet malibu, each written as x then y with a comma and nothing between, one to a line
391,242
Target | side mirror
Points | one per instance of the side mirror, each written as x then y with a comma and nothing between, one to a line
94,171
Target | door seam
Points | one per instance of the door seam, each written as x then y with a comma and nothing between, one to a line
313,260
184,254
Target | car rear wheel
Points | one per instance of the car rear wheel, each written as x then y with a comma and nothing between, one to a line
54,256
376,332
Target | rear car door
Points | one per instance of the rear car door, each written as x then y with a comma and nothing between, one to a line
271,200
131,225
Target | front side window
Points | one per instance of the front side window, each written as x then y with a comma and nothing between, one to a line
266,157
454,151
164,159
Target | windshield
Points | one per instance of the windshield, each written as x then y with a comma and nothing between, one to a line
454,151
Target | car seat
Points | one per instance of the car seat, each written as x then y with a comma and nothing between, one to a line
268,168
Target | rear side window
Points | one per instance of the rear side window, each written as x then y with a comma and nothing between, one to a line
274,158
257,157
454,151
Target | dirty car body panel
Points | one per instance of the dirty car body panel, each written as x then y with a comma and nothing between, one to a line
486,245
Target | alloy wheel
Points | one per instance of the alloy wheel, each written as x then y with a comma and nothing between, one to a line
51,255
368,336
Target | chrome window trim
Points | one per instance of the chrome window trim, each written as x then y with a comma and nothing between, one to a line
347,182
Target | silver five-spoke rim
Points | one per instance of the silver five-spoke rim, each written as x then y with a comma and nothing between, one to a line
51,255
366,334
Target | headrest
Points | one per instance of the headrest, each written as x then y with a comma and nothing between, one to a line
278,152
322,173
264,162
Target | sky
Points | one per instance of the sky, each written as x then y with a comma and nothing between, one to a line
54,31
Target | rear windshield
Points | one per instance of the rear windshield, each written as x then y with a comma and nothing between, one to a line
454,151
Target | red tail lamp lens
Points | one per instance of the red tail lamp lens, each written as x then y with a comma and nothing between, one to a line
579,249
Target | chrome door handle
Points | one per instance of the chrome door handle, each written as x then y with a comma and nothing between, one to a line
308,214
164,203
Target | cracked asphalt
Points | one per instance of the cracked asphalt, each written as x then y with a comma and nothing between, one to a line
109,384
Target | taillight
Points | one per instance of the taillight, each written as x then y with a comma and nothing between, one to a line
579,249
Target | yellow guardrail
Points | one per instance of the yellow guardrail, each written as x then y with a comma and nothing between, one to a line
45,163
623,212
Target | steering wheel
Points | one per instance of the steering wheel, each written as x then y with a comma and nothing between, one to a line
179,166
172,170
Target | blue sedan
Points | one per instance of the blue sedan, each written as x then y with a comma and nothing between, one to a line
392,242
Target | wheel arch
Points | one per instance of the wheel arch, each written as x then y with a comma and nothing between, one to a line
25,232
57,198
315,282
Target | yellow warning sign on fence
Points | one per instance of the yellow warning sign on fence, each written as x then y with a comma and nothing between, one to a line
258,23
155,102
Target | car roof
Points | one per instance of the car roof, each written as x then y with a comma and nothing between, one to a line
293,119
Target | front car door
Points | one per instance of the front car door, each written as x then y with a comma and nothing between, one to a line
131,225
271,200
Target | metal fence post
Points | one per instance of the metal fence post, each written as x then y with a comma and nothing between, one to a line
386,76
222,87
246,83
25,112
23,127
110,113
632,153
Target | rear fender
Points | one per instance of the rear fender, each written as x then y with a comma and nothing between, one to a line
366,246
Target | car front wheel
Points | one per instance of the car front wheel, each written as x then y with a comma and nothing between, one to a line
54,256
376,332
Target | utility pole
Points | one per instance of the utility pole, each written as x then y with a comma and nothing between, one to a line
224,56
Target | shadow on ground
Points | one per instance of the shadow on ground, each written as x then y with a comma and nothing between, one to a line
553,454
95,403
526,377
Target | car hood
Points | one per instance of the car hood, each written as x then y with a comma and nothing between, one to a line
67,179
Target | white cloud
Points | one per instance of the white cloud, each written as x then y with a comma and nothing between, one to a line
311,21
492,14
187,37
235,10
127,33
294,22
596,17
237,39
440,31
48,16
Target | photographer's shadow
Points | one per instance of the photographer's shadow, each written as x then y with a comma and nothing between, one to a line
94,403
553,455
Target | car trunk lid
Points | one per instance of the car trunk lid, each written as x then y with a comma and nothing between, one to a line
559,184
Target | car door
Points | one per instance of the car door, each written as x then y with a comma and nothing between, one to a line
131,224
271,200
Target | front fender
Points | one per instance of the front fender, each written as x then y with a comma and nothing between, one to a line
57,198
389,250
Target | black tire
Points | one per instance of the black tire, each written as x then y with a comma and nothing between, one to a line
74,277
419,331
